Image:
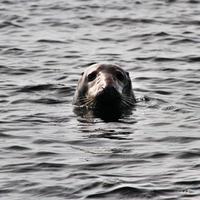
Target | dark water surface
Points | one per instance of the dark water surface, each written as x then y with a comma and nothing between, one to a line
47,152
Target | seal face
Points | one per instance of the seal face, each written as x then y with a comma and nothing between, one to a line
106,90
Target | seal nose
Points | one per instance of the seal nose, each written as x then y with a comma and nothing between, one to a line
110,90
109,95
107,80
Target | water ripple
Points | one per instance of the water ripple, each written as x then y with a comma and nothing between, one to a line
46,151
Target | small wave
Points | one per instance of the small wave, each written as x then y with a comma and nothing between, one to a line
174,59
4,68
48,101
17,148
50,41
45,141
166,59
192,182
189,155
44,154
124,20
193,1
162,92
162,33
193,59
52,191
39,87
3,101
6,191
40,101
128,192
58,7
156,155
159,59
32,167
197,166
180,139
6,24
72,56
46,165
185,40
190,22
142,78
7,2
14,51
169,108
194,82
144,58
58,88
169,69
3,135
15,70
143,99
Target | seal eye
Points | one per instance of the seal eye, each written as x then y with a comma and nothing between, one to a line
92,76
119,76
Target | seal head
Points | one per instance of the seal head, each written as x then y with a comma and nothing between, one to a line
106,90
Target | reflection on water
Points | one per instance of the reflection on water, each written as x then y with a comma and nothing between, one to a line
47,151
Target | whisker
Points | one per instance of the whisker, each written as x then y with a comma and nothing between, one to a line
88,102
127,101
129,98
124,102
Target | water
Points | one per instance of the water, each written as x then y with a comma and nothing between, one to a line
47,152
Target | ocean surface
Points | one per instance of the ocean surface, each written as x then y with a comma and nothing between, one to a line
47,152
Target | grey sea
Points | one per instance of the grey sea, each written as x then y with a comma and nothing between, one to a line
47,152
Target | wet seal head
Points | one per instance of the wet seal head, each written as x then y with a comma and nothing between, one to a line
105,90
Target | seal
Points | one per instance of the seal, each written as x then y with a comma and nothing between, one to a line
106,90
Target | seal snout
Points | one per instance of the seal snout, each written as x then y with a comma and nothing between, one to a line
108,95
106,80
